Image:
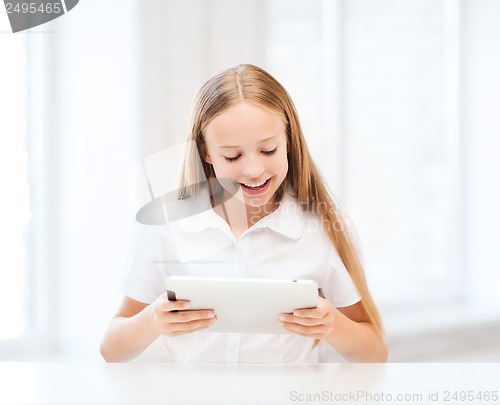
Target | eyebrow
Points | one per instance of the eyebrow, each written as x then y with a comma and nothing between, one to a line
260,142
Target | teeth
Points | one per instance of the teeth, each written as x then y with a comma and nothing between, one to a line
255,185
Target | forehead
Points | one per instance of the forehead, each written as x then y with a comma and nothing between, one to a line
242,123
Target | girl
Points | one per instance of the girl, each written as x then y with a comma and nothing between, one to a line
268,215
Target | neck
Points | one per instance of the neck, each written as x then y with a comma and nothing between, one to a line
240,216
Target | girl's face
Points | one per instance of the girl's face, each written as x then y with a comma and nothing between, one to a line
247,147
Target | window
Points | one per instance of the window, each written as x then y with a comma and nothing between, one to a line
374,86
68,108
398,158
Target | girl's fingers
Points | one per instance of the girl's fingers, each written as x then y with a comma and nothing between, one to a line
180,305
195,329
315,313
192,326
309,316
190,316
315,332
179,311
320,311
315,323
170,328
174,318
292,319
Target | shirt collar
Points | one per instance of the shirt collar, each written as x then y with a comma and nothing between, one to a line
286,220
195,219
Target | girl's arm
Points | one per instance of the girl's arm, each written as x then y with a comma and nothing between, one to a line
346,329
137,325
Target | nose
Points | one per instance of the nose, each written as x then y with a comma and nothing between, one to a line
253,166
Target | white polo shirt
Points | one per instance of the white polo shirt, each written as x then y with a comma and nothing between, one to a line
287,243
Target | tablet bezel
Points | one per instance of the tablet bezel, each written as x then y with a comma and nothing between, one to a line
244,305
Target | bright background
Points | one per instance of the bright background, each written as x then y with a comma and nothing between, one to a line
399,103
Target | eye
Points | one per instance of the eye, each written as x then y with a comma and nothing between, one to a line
232,159
269,152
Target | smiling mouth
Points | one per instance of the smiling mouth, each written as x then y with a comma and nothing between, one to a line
255,186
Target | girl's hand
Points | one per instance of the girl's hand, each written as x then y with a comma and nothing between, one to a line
316,323
173,318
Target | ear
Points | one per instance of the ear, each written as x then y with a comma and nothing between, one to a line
204,154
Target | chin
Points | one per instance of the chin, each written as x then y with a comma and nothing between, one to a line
260,201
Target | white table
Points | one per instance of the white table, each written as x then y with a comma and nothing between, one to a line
156,383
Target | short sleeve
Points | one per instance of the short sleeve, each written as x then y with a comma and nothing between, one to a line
338,286
144,275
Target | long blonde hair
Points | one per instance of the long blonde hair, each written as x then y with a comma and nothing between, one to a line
252,85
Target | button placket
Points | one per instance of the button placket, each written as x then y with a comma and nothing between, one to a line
233,348
240,260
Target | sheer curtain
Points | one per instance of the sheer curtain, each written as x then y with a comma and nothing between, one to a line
15,213
70,128
392,148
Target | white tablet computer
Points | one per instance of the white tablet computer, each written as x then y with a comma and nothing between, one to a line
244,305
